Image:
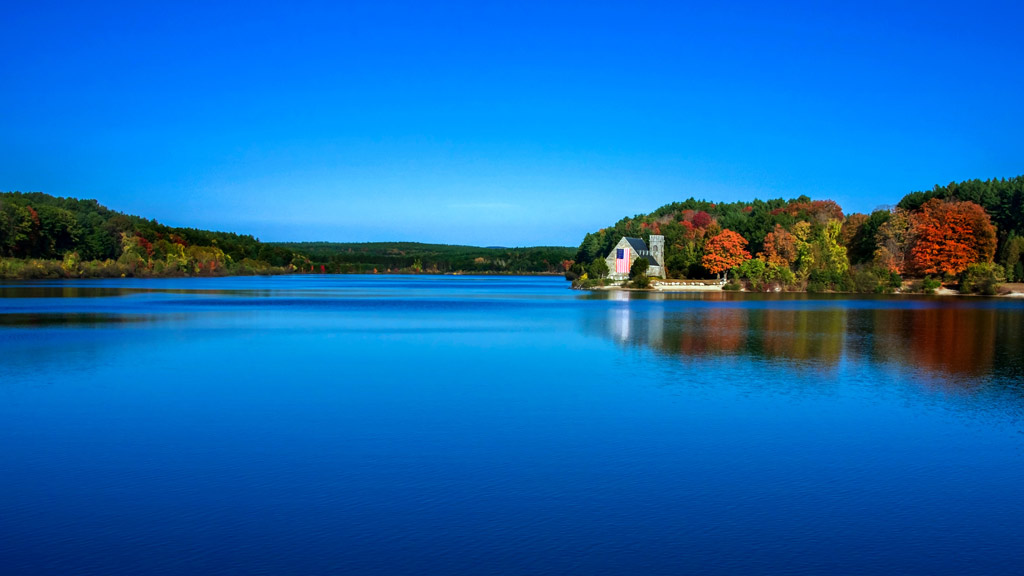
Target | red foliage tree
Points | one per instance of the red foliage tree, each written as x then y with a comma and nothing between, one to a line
817,211
724,251
702,219
145,245
949,236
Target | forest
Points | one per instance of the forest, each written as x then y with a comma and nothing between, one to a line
43,236
968,234
414,257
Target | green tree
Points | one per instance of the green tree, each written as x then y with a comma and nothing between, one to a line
1013,250
598,268
754,270
638,268
863,243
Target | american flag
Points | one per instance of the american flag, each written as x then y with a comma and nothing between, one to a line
621,261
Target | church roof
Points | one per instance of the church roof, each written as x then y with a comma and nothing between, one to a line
638,245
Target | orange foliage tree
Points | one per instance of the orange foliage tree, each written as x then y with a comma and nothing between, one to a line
949,236
780,247
724,251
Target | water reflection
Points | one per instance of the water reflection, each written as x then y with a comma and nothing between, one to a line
945,339
965,338
72,319
86,291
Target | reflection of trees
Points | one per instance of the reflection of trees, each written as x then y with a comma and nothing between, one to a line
803,334
945,339
790,334
949,339
716,331
56,290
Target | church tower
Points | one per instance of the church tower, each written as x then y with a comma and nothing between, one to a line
658,249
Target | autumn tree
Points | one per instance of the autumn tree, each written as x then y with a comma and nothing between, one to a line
803,240
702,219
685,244
724,251
892,241
853,224
780,247
1002,199
816,212
949,236
834,256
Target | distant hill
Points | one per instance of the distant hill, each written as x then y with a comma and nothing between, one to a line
355,257
38,225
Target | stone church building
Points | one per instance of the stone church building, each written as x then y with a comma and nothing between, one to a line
629,249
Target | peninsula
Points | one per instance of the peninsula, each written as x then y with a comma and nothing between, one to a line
966,236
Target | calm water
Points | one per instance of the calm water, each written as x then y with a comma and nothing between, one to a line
410,425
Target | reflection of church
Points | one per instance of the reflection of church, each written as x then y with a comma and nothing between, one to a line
818,335
619,317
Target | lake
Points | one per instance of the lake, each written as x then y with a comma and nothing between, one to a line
504,425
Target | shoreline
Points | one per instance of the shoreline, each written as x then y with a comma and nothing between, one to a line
1016,290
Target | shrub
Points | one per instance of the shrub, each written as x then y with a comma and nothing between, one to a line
824,280
814,286
10,267
981,278
929,285
781,275
641,281
873,280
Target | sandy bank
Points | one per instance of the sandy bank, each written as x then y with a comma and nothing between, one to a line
686,286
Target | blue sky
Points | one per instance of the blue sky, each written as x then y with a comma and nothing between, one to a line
518,123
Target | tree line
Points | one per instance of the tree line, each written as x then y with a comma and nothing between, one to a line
970,234
415,258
